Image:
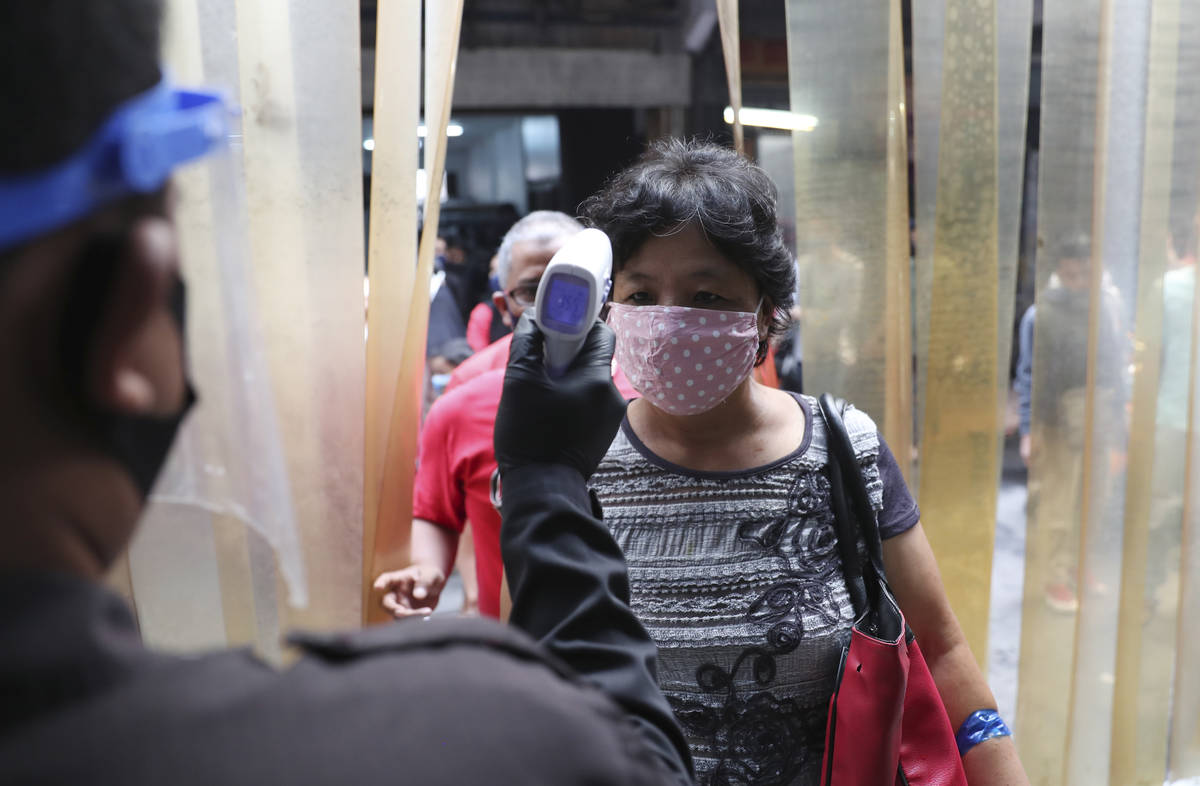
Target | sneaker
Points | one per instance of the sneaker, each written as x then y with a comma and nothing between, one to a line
1060,596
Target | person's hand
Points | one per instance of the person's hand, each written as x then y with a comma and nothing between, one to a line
1026,448
570,420
413,591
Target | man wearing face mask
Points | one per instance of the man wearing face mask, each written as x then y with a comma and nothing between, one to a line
456,474
92,389
526,249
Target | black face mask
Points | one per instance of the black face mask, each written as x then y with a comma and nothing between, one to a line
139,443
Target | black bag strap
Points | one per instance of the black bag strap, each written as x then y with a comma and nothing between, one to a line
855,516
841,451
847,537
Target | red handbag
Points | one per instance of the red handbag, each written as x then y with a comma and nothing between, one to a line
887,723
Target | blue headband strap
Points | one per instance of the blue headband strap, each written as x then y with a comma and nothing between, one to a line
134,152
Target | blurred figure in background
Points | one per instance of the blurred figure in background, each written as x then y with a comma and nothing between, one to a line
1171,442
450,355
486,324
1052,409
457,276
446,337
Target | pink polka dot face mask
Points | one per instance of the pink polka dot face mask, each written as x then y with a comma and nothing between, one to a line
684,360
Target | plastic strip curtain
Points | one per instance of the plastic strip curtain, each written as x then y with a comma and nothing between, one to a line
727,16
1067,461
1176,500
393,252
959,444
1104,635
443,20
1014,34
1014,21
248,523
851,208
1184,735
1145,662
928,37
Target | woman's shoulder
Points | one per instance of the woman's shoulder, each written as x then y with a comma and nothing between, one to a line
864,434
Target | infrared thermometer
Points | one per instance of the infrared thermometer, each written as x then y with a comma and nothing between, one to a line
571,293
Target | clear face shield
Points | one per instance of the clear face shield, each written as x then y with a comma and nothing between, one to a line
226,477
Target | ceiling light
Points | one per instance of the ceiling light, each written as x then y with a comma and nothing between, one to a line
454,129
772,118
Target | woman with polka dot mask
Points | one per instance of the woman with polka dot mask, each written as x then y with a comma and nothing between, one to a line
717,487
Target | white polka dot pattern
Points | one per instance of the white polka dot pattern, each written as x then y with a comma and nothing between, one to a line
646,334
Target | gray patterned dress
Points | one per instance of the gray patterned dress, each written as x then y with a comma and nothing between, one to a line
736,575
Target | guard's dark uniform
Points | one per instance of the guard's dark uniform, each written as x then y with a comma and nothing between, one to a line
443,702
456,702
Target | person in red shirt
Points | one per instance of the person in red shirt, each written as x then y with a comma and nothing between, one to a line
486,324
524,253
456,461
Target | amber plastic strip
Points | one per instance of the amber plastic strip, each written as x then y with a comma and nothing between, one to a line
392,275
727,18
958,447
442,23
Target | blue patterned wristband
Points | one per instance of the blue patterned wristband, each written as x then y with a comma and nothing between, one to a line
981,725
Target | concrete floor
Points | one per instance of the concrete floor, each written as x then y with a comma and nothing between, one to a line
1008,577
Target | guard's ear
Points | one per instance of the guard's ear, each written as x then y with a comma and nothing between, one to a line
133,362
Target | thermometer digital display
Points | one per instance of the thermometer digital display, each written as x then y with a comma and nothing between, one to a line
567,300
571,293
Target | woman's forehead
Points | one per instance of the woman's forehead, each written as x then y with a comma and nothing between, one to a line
686,252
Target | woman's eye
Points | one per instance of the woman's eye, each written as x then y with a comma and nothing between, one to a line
707,298
641,298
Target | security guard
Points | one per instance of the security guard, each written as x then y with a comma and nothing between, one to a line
92,390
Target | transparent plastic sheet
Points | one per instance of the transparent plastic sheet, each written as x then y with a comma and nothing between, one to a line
1146,645
1184,734
1070,54
1113,294
1093,101
203,496
928,40
1174,537
897,295
1014,32
260,503
839,56
958,447
301,97
229,462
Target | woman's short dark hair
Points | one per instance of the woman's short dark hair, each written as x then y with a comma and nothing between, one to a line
677,182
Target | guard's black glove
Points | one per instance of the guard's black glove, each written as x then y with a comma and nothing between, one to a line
570,420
